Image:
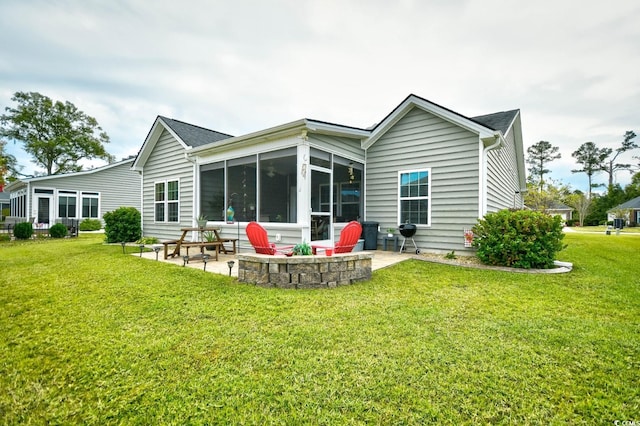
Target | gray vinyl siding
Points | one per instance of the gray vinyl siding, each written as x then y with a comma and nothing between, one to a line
350,148
118,186
417,141
167,163
502,177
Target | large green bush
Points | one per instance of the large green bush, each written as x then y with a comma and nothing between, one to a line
90,225
518,239
58,231
122,224
23,230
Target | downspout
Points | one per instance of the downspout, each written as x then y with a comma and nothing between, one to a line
196,187
141,173
482,208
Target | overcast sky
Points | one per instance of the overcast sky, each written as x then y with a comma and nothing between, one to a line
571,67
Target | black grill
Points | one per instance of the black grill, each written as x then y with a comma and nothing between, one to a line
408,230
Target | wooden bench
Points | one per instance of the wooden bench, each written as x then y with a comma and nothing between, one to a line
181,242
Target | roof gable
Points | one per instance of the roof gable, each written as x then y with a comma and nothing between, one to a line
634,203
188,136
192,135
501,121
413,101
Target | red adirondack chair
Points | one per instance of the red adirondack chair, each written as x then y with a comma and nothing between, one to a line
258,238
348,239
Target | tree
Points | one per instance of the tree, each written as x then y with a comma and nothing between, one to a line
56,135
547,197
8,165
540,154
610,166
591,158
581,204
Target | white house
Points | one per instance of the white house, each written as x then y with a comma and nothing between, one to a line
80,195
423,164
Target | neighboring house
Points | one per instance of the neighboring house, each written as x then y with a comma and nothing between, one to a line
304,180
4,203
79,195
560,209
633,208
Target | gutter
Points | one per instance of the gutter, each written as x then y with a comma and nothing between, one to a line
499,143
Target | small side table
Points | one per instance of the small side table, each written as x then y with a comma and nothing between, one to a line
387,239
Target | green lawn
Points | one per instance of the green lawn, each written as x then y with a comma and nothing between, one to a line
602,229
88,335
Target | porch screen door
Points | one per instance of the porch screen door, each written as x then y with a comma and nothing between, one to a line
321,205
44,205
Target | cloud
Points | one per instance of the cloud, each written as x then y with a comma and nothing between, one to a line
570,66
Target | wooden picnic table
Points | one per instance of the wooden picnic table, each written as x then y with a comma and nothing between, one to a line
218,243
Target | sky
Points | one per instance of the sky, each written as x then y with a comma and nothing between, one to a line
572,67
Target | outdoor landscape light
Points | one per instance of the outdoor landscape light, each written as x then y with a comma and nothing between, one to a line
123,244
205,258
185,260
141,248
230,265
156,249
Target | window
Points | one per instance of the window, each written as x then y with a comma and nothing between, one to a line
67,204
242,187
212,191
167,201
414,201
347,193
278,182
90,204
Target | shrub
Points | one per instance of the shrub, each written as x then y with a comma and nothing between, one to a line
518,239
23,230
58,231
122,224
90,225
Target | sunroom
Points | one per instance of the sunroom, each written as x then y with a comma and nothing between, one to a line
305,187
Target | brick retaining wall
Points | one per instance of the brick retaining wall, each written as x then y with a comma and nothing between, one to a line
304,271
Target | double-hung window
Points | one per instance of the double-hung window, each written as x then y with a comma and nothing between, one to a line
167,201
90,204
414,204
67,204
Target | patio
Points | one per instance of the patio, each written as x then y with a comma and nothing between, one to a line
381,259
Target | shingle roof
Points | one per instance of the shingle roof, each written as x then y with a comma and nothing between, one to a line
631,204
194,136
498,120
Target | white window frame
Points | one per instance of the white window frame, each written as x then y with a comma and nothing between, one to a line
93,196
427,197
165,202
67,194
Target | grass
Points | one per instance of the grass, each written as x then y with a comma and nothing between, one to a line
603,228
90,336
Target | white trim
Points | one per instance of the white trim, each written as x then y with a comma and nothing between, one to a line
441,112
166,200
428,197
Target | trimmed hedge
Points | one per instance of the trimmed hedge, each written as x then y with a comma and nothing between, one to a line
518,238
58,231
90,225
23,230
122,224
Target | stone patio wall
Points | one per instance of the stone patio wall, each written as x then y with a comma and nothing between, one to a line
304,271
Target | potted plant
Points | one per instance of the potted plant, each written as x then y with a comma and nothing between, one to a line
302,249
202,221
390,232
209,236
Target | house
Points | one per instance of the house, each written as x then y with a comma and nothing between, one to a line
560,209
4,203
80,195
632,211
305,180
